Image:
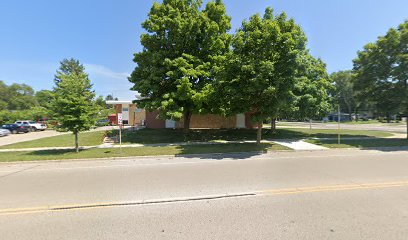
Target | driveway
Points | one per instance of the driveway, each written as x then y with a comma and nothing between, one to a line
23,137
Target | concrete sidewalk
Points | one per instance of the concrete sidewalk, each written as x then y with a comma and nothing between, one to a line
292,144
300,145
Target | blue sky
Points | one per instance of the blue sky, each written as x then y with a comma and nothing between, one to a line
103,35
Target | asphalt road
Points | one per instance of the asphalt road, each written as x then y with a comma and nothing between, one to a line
340,194
396,128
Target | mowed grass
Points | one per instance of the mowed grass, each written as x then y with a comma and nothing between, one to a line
65,140
393,123
95,153
361,143
150,136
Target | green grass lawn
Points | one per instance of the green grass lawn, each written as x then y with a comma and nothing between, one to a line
140,151
65,140
361,143
369,122
148,136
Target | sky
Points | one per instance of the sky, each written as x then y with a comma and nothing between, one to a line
36,35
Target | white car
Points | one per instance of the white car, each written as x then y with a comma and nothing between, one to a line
4,132
34,125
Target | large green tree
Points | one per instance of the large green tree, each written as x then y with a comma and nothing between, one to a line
73,103
260,74
381,71
180,50
312,90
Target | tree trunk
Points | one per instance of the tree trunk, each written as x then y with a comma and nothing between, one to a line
76,142
273,125
310,124
388,118
187,118
259,134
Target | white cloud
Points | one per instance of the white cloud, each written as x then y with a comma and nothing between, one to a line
102,71
106,81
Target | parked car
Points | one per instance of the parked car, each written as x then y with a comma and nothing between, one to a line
102,122
14,128
34,125
4,132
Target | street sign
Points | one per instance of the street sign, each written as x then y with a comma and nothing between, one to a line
120,118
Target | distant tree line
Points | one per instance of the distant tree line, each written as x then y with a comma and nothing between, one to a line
20,101
378,81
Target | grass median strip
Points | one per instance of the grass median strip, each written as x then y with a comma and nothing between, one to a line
361,143
140,151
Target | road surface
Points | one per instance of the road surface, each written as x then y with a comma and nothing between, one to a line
339,194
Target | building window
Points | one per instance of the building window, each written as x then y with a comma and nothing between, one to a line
125,109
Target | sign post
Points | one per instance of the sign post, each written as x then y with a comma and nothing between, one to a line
120,122
338,124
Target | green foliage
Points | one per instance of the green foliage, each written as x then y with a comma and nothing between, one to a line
44,98
67,67
261,73
312,99
16,96
381,72
74,105
181,47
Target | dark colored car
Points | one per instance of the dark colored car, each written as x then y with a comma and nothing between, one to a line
103,122
14,128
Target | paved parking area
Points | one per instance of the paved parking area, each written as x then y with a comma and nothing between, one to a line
22,137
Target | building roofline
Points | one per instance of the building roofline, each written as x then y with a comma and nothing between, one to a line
115,102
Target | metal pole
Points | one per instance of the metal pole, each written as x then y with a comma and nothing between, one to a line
120,138
338,126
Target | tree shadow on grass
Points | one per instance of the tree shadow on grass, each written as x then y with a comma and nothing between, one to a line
314,133
152,136
51,152
380,144
221,151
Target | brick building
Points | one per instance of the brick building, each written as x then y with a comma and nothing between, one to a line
135,116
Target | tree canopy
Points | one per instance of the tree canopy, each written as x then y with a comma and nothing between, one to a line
180,50
381,71
261,71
